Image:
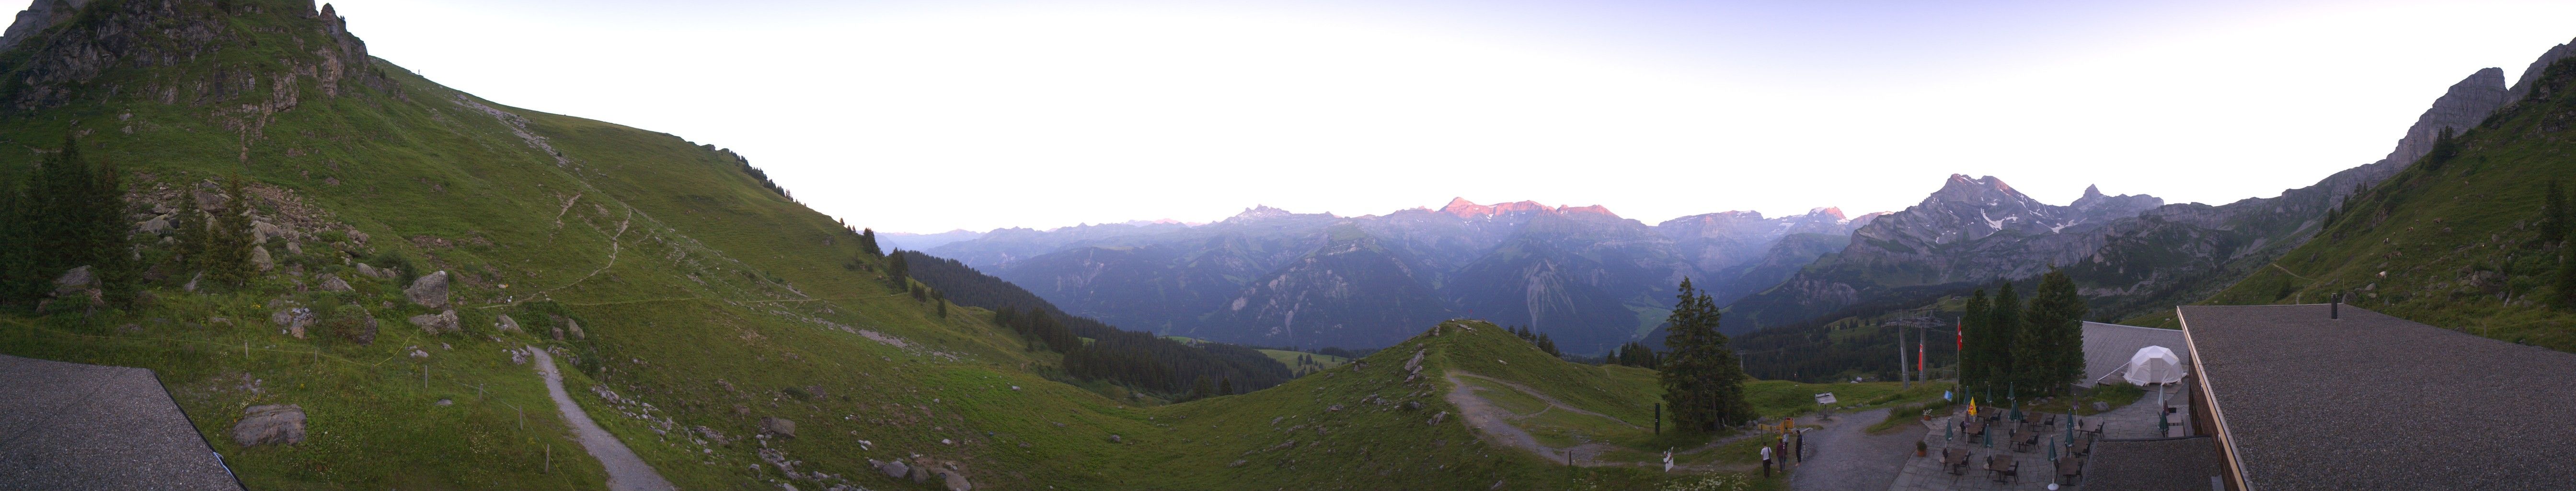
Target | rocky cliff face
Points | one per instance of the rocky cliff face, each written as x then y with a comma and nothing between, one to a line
2459,109
2522,86
66,52
37,17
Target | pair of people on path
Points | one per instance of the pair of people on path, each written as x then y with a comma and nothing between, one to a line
1782,451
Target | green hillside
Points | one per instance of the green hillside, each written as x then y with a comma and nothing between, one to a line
2452,241
691,298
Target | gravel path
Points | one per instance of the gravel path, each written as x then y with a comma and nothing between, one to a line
625,470
1844,456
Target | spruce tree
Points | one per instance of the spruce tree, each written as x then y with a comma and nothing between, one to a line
20,282
2553,214
188,230
227,254
896,270
868,242
1701,380
2049,349
2004,320
1972,325
120,273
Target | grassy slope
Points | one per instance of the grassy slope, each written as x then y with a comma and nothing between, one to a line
2459,244
701,294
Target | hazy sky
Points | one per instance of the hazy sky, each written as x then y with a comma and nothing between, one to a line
925,116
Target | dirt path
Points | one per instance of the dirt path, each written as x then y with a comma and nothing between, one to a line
1843,455
1494,424
625,470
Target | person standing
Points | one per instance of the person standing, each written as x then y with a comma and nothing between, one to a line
1766,461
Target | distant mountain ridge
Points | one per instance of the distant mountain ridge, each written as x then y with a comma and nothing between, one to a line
1268,276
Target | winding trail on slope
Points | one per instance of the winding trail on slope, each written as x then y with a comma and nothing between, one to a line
625,471
1494,424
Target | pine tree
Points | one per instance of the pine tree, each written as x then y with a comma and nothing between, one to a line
1700,377
868,242
1973,324
20,282
120,273
227,254
2566,281
2003,319
2553,214
897,271
2049,349
188,230
1225,386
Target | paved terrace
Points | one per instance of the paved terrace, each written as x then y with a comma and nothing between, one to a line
2373,402
69,426
2135,421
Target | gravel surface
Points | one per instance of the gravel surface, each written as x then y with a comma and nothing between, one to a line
71,426
1843,456
625,470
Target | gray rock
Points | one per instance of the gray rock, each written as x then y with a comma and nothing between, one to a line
575,327
191,287
443,322
443,402
156,226
261,425
294,319
956,481
507,324
428,291
778,426
260,232
295,248
1435,419
558,332
371,271
259,257
333,283
920,474
211,200
1115,439
77,279
893,468
2099,406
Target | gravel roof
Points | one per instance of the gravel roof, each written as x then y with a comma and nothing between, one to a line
2377,402
69,426
2107,348
2165,464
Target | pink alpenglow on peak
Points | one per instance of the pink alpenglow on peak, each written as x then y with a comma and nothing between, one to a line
1462,208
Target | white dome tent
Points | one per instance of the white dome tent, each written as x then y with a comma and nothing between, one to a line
2153,365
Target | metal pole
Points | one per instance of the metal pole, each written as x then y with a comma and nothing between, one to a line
1901,381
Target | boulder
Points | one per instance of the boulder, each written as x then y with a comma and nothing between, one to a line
920,474
191,287
156,226
294,248
428,291
558,332
442,322
893,468
575,327
370,271
259,257
275,423
778,426
77,279
260,232
210,200
507,324
333,283
294,319
956,481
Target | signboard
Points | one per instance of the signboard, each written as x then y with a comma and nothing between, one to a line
1825,398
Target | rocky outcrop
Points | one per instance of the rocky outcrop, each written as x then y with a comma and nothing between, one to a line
2522,86
42,14
430,290
2462,107
506,324
260,259
779,427
439,323
270,424
333,283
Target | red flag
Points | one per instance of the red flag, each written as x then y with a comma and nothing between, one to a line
1918,356
1961,334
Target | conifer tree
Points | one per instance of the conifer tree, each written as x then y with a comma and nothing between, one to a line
120,273
1973,324
2051,347
868,242
2553,214
188,230
20,282
896,270
2003,319
1700,377
1225,386
227,253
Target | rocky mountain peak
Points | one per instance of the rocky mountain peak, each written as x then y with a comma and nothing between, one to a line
1978,191
2521,87
1832,211
1585,210
2462,107
1462,208
37,17
1258,213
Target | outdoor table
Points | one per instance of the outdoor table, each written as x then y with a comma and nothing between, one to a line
2082,446
1954,460
2023,440
1975,428
2068,468
2002,467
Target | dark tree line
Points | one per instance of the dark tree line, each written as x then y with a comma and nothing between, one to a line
1138,360
1635,354
67,213
2557,221
2032,348
1702,382
744,164
1535,338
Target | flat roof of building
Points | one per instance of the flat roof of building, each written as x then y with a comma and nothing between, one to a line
2107,348
2371,401
70,426
2164,464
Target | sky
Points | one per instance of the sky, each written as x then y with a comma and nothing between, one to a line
926,116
